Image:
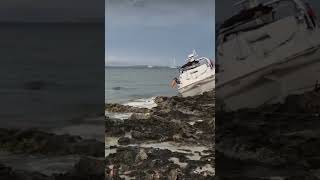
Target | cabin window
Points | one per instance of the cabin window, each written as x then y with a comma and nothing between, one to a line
284,9
262,16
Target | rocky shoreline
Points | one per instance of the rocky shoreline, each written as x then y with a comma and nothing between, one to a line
33,143
279,141
272,142
174,140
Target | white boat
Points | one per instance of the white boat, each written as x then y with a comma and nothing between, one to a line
266,52
196,76
149,66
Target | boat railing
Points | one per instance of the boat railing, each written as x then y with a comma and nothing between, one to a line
200,61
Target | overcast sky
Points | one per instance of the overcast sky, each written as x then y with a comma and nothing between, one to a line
51,10
153,32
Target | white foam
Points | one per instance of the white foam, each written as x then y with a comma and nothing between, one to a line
206,169
193,152
177,161
121,116
148,103
126,177
107,152
110,141
192,123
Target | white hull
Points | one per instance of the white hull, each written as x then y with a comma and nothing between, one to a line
271,86
266,64
197,78
198,87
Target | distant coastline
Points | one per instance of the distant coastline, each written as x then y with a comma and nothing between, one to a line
76,22
137,66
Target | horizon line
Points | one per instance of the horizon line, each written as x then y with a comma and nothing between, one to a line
54,22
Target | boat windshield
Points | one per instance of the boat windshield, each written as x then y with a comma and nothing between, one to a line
258,16
193,64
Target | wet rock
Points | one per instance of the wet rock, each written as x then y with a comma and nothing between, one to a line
119,108
88,167
168,121
177,137
136,134
279,135
140,116
33,141
113,127
125,141
141,156
173,174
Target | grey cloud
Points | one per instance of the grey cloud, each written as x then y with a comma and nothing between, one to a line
155,13
51,10
155,31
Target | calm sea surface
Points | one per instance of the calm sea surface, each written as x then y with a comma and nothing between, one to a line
130,84
70,83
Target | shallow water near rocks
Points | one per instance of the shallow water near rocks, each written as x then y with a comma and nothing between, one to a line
207,169
194,152
110,141
127,177
177,161
119,116
148,103
39,163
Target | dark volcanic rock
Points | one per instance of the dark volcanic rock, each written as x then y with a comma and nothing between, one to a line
85,169
114,128
9,173
118,108
280,135
192,106
147,163
175,119
88,168
125,141
33,141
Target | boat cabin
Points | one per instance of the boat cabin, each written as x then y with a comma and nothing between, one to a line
266,13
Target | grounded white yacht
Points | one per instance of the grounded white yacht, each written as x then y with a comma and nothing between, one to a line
266,52
196,76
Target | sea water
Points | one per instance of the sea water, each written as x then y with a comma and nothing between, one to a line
137,86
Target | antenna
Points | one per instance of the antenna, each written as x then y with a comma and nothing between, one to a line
194,53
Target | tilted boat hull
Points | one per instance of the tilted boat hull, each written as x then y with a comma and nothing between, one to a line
198,88
272,84
196,77
266,62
